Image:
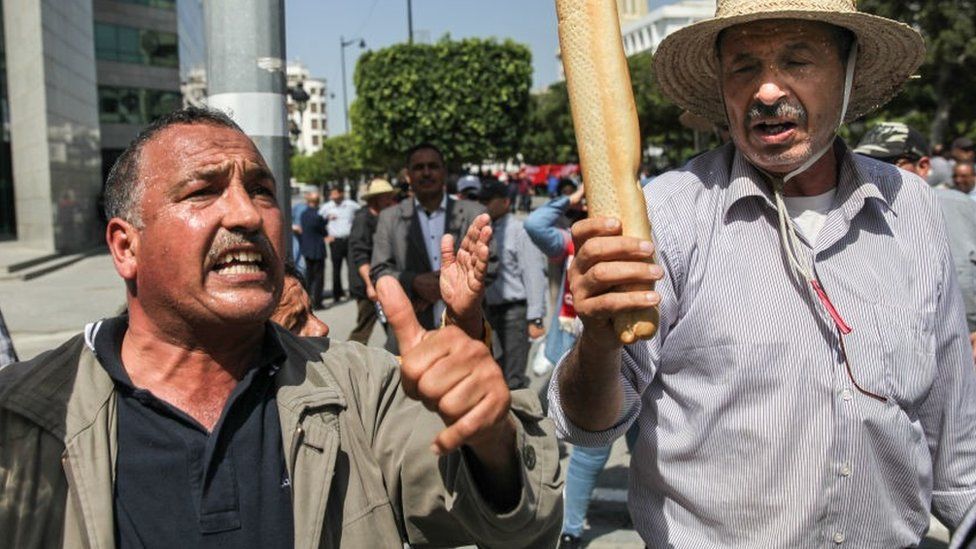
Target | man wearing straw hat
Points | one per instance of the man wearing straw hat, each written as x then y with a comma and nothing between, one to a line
379,196
811,382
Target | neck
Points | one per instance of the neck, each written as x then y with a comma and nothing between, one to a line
194,370
432,202
815,180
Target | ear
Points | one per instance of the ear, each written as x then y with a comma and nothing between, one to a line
123,243
923,165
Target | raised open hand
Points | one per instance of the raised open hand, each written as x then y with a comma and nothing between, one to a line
463,275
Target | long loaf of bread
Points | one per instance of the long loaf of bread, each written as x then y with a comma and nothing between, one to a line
607,132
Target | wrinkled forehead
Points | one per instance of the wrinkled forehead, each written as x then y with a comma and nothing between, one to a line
185,148
776,35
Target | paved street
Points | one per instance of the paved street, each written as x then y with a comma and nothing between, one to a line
45,311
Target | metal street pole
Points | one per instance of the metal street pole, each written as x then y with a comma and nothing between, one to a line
410,21
345,100
246,79
343,44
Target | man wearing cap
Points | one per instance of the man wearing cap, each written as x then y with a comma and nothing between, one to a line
811,382
469,188
517,298
379,196
896,143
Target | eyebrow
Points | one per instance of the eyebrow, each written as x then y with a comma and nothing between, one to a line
252,172
792,47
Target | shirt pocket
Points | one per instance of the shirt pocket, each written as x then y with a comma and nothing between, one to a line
908,350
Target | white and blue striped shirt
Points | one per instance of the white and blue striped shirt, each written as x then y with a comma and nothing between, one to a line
752,433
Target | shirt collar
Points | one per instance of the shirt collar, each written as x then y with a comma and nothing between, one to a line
105,340
854,185
442,208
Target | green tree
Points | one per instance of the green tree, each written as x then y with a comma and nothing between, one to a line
549,137
339,159
469,97
940,101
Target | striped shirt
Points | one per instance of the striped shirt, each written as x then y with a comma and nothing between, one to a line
752,433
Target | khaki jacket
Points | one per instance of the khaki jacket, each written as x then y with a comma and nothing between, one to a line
357,449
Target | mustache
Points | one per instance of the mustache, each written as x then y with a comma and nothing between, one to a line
783,108
227,240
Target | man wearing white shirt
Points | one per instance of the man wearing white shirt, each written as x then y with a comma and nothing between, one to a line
408,239
338,213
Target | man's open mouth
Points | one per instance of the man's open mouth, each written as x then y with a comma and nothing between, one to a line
240,262
774,128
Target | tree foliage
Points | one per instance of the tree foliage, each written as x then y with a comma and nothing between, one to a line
339,159
550,138
940,101
469,97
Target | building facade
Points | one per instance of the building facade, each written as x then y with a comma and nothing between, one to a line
79,80
645,33
309,127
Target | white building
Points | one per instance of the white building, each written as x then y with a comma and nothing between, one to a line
313,121
647,33
631,10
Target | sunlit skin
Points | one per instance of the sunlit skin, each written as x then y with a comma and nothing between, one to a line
194,331
797,63
294,311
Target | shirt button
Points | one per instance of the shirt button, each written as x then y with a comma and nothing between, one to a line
847,394
528,457
845,470
839,538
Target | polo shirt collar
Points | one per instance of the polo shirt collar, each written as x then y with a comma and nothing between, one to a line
104,338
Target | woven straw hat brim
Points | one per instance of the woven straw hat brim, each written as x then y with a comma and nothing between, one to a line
686,62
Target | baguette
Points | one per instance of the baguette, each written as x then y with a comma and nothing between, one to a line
607,132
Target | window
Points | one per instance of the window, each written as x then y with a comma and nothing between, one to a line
161,4
315,141
135,105
132,45
315,123
312,107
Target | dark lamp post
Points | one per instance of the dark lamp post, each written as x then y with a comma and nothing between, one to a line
343,44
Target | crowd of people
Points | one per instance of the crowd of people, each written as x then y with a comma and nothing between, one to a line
812,380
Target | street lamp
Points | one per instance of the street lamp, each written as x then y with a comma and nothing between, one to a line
300,97
343,44
410,21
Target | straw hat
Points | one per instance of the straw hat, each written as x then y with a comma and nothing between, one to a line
377,187
686,63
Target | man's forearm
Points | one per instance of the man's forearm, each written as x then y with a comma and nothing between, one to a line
495,466
363,271
589,384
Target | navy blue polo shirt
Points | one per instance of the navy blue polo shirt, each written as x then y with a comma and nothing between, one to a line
176,485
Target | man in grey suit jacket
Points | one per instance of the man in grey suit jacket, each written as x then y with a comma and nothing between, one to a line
407,242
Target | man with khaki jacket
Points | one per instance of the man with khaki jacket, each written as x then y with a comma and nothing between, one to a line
192,421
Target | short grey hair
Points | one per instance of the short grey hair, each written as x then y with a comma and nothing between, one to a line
123,190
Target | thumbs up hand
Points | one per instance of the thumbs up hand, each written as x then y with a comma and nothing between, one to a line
454,376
